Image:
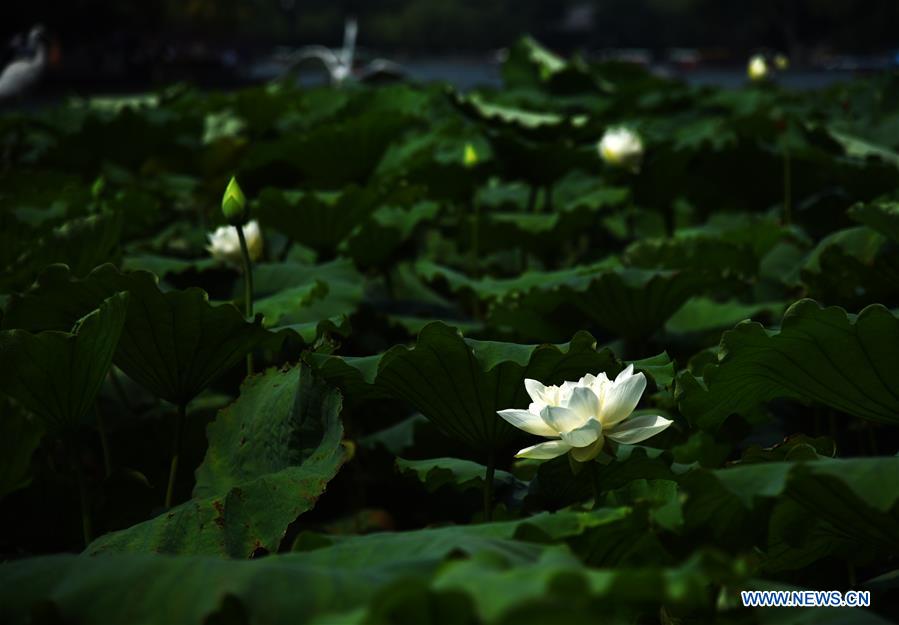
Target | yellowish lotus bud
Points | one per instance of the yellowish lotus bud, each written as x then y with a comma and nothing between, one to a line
234,204
781,62
470,158
757,69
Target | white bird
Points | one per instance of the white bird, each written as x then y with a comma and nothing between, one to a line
21,74
339,63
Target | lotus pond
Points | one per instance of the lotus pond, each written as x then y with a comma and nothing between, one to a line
467,362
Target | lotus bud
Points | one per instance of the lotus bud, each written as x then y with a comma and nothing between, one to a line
781,62
757,69
621,147
470,158
234,204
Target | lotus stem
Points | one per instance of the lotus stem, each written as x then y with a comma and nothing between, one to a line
488,486
548,198
475,236
120,390
180,418
595,482
872,439
532,200
86,524
788,186
104,440
248,286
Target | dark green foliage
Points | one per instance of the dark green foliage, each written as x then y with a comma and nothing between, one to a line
423,253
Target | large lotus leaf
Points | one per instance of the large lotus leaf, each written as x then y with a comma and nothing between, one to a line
299,297
174,343
509,594
81,243
317,220
462,474
819,354
853,268
881,215
143,588
20,436
846,501
577,201
531,65
164,266
698,253
326,156
460,383
435,158
57,374
861,148
631,303
702,314
271,455
505,116
628,301
555,486
379,240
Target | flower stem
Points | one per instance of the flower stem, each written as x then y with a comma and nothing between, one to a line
86,524
475,236
248,286
788,186
488,486
532,200
120,390
104,440
596,482
180,418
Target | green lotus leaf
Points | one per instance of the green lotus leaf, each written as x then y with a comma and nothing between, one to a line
378,241
460,383
343,576
300,297
702,314
163,266
326,156
174,343
20,436
461,474
271,454
841,503
819,354
881,215
57,375
853,268
82,243
861,148
317,220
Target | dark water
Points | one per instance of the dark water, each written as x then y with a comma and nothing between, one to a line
467,74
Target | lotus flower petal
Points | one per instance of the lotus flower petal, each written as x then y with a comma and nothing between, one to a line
527,421
638,429
545,451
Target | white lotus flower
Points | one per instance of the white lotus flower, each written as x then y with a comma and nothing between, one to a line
225,245
757,69
621,147
580,415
